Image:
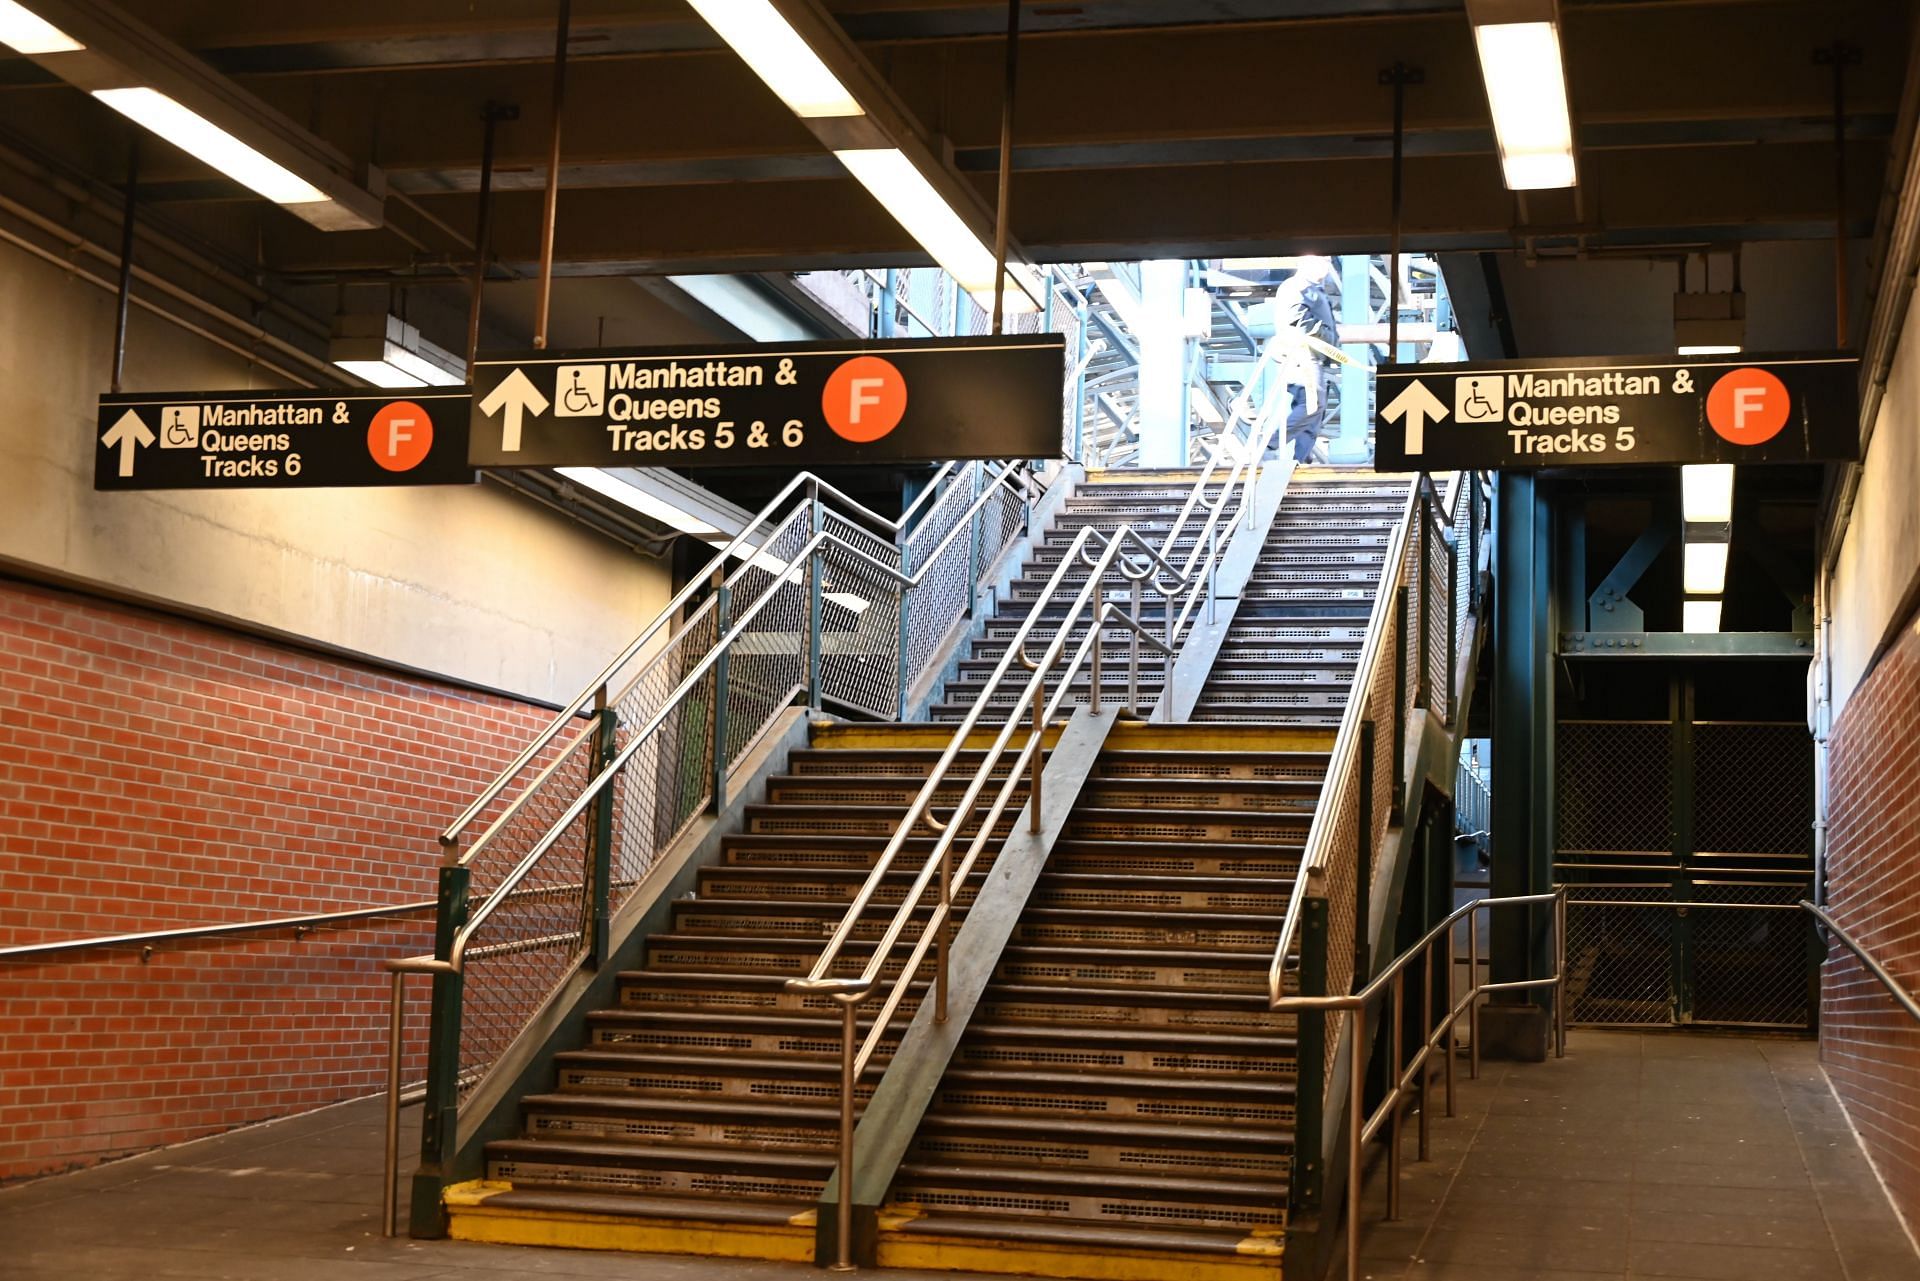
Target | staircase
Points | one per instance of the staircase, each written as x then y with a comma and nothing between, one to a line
1148,501
700,1116
1290,655
1122,1102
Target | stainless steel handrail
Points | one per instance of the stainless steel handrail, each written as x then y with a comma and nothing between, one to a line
851,992
458,951
1410,1075
148,938
1895,988
450,836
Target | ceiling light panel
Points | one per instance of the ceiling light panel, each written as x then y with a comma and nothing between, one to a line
1527,90
776,53
25,31
1706,493
1705,572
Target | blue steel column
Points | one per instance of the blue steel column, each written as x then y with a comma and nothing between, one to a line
1356,414
1523,826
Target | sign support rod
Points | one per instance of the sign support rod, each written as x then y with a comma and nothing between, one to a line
1399,75
1005,198
492,114
550,213
125,294
1839,55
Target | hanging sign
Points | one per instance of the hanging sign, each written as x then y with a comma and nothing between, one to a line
281,440
1618,411
787,405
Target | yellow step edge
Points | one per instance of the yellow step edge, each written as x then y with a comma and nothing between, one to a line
471,1218
1259,1258
1144,476
1218,736
933,735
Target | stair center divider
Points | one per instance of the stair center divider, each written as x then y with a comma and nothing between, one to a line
812,599
1126,561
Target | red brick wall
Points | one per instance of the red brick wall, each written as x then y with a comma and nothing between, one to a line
1872,1049
158,773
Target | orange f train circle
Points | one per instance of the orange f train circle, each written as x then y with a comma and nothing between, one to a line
865,398
1748,406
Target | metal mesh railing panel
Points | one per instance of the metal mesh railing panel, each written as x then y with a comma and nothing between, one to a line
1439,616
1752,967
1753,788
940,598
1619,968
768,665
526,947
859,619
1614,783
670,778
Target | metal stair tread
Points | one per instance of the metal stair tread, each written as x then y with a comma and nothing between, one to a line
705,1064
768,1213
1247,1188
801,1161
1146,998
1198,1040
1094,1238
678,1108
1099,1130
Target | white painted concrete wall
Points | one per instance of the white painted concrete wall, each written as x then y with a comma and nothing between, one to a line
469,582
1880,555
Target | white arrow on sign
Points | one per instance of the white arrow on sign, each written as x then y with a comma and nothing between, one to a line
127,435
1417,405
517,395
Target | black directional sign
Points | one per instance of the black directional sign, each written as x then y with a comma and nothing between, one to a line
1618,411
281,440
778,404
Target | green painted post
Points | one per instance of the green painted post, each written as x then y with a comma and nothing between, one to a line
1680,703
441,1107
600,841
721,609
1363,863
973,537
815,606
1310,1063
906,602
1397,798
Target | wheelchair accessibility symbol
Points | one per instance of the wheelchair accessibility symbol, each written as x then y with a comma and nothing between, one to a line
579,391
180,427
1481,399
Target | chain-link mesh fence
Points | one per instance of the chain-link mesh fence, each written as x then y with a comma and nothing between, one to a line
1614,786
1753,788
1619,956
1752,965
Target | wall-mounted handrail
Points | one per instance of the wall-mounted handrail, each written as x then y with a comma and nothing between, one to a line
225,929
1409,1074
1140,565
1901,994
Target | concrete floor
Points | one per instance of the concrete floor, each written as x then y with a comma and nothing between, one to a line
1660,1154
1636,1156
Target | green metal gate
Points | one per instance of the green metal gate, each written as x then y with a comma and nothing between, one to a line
1687,846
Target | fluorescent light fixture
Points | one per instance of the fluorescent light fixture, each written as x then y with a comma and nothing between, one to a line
1706,569
1700,615
388,352
24,31
380,373
903,191
639,500
1706,493
1527,90
1710,349
778,54
208,142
